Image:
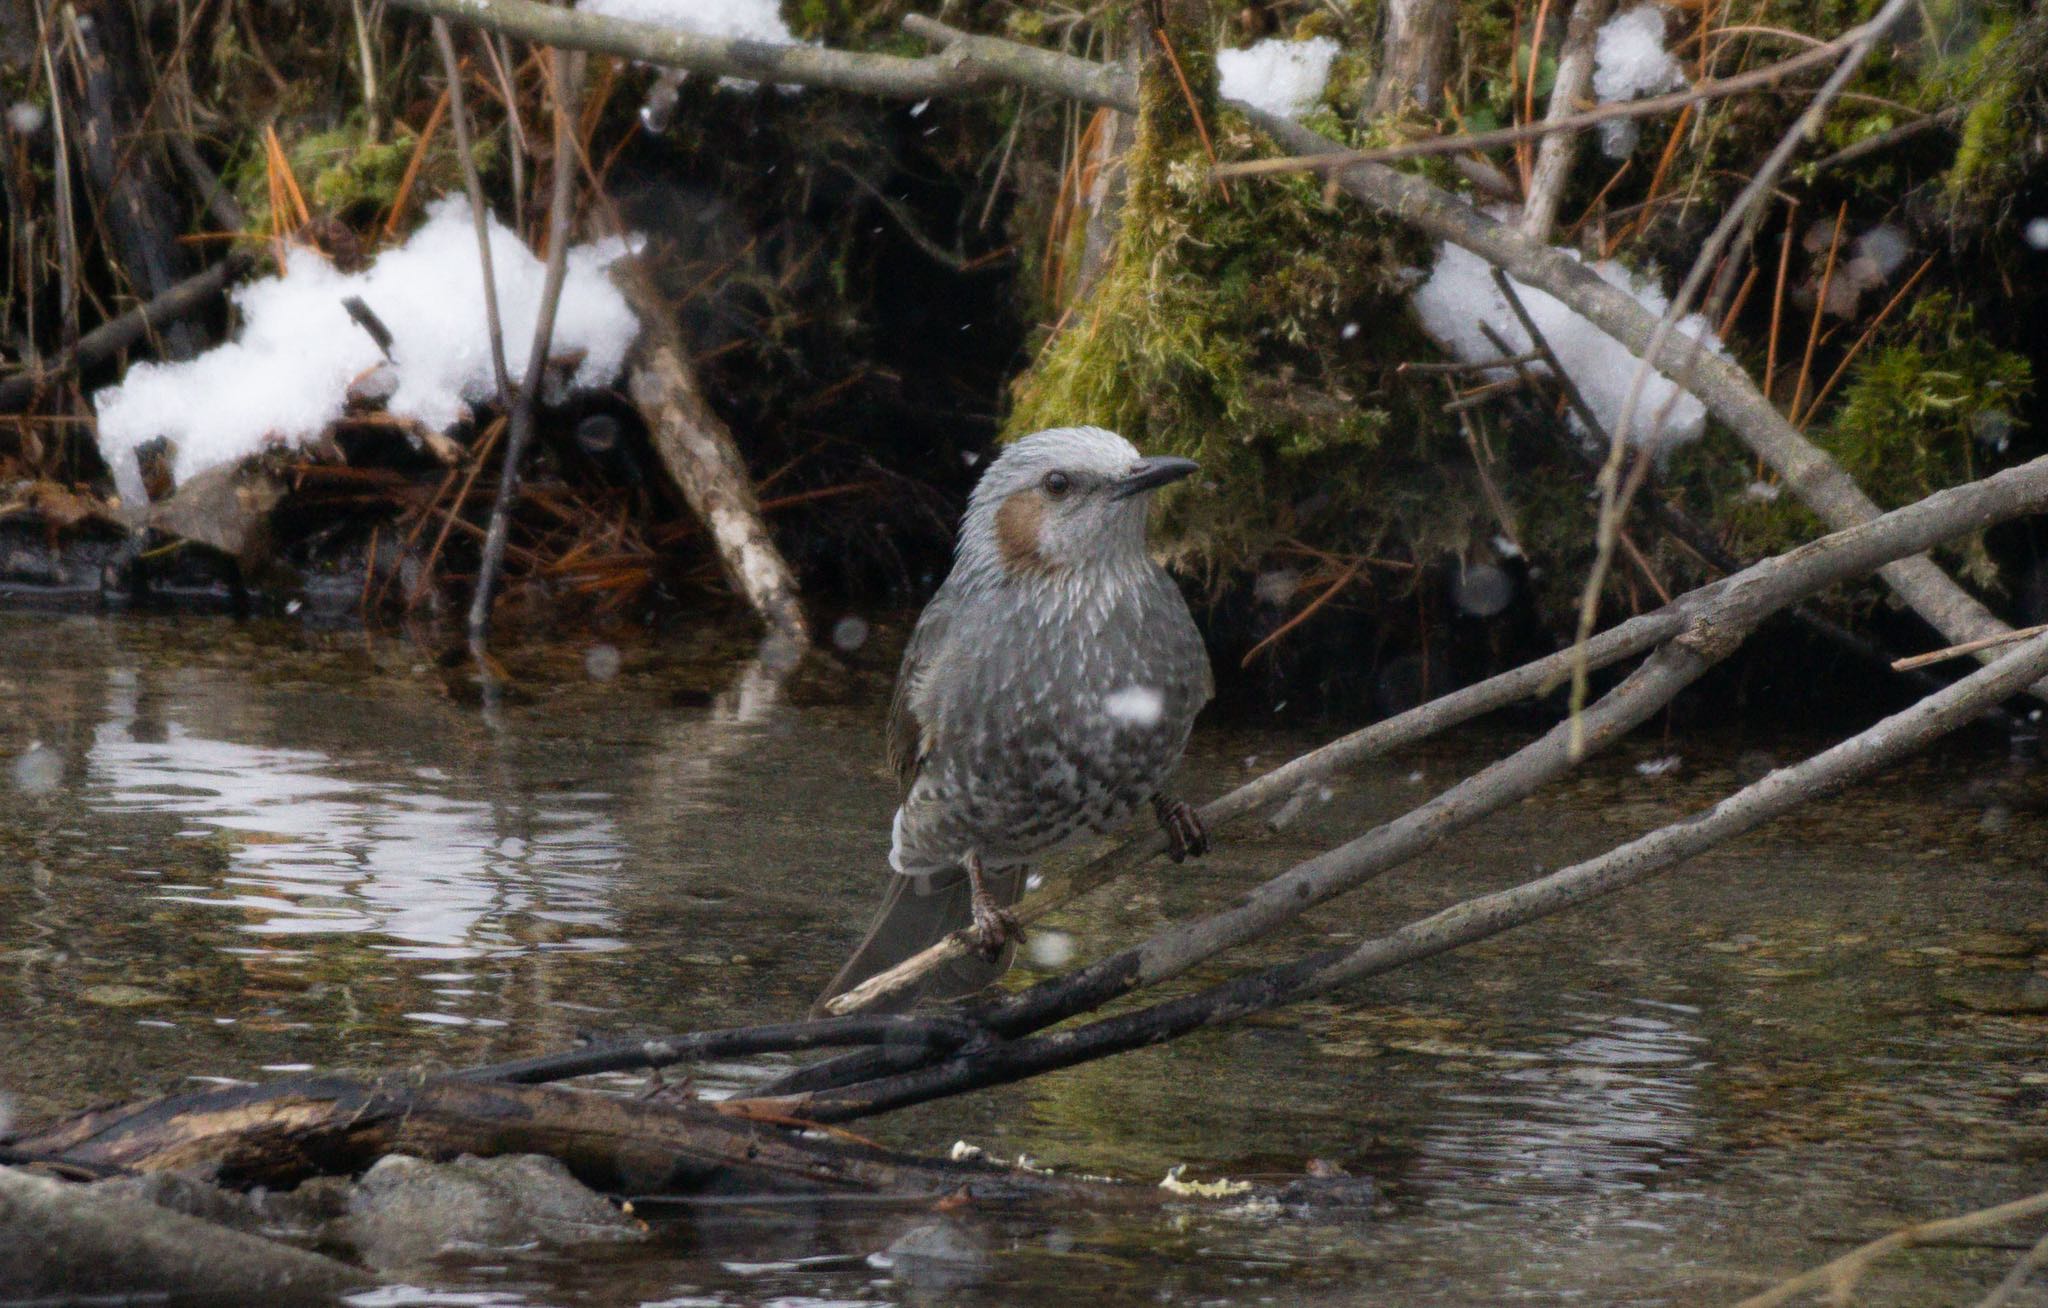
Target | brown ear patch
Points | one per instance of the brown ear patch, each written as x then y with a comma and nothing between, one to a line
1017,526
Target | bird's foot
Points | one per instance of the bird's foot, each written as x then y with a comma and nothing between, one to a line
993,927
1185,833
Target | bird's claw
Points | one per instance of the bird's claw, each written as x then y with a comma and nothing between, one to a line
1185,833
993,927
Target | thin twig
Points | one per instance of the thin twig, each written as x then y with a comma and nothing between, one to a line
563,82
1967,647
479,213
1842,1273
1308,611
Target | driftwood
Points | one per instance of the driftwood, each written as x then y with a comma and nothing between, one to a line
699,453
288,1131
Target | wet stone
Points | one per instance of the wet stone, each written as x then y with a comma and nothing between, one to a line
405,1212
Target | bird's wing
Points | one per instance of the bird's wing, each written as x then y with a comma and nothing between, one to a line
908,742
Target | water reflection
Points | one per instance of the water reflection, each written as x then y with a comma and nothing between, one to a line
1611,1109
318,845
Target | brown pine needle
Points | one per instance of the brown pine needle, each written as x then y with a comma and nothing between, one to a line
1194,110
1820,305
414,164
1778,302
1741,298
1329,593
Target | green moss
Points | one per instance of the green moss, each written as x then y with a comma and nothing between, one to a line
1217,332
347,177
1916,414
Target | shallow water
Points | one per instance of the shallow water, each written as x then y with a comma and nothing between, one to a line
231,852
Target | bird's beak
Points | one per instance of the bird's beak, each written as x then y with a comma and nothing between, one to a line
1151,474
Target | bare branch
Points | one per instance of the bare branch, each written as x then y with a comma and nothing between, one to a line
1731,606
1843,1272
562,208
1486,915
1560,149
800,65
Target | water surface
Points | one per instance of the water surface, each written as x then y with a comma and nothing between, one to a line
235,852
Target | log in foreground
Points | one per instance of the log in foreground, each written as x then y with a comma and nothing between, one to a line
288,1131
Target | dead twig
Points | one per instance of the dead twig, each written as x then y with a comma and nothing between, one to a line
1840,1275
563,82
1967,647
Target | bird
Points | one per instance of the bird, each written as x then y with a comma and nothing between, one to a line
1046,694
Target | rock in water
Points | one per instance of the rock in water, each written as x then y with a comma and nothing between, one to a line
405,1211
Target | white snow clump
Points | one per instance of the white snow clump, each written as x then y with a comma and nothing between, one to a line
1629,60
286,375
1460,295
733,20
1281,77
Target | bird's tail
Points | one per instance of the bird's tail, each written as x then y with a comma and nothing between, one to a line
917,912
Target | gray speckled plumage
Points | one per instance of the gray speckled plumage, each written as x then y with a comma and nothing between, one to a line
1046,693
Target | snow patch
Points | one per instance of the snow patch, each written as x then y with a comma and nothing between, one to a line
286,375
1281,77
1629,61
1629,58
1137,706
734,20
1460,295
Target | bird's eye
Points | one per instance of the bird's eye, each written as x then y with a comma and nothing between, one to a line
1057,484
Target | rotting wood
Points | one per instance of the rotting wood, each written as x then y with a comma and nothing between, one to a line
287,1131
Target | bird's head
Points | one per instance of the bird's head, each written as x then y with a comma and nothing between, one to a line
1067,499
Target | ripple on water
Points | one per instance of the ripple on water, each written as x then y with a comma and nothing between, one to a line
1612,1108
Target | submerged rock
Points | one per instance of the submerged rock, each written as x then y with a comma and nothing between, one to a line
405,1211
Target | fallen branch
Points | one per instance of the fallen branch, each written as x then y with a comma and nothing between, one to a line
1483,916
796,65
1734,604
1839,1276
288,1131
116,334
699,453
938,1032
